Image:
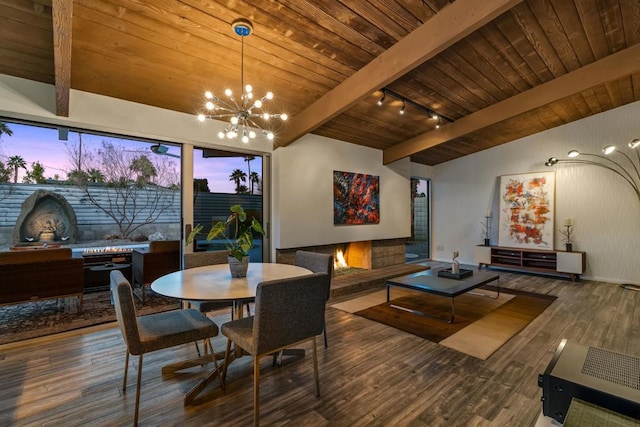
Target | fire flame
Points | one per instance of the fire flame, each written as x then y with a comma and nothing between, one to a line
339,261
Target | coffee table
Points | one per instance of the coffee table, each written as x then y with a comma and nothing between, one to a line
429,282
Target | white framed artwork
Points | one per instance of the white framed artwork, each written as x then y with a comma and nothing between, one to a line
527,210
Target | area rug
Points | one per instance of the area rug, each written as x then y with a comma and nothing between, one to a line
36,319
481,326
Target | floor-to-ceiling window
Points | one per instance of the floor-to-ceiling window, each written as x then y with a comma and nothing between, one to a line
223,179
418,246
120,190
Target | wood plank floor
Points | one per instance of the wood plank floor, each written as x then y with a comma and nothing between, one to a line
371,375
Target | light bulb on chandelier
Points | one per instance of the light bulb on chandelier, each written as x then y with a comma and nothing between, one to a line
242,114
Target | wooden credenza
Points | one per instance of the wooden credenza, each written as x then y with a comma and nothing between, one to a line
570,264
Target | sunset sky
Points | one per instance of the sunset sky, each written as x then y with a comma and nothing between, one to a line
41,144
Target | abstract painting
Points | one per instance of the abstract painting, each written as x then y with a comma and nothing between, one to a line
356,198
526,210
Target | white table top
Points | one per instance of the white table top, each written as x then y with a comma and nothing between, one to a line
214,282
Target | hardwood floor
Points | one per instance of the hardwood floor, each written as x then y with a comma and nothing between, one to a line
370,374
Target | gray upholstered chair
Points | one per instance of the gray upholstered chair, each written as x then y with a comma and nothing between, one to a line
287,312
317,263
155,331
200,259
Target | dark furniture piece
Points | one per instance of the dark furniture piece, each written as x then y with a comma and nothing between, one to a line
570,264
35,274
98,265
429,282
601,377
162,257
287,312
153,332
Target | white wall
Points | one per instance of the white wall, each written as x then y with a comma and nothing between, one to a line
604,208
303,193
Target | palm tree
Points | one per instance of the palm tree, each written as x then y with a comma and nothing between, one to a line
4,129
95,175
16,162
145,170
254,178
248,159
237,176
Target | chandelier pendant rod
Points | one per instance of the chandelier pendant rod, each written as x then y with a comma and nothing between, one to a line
243,95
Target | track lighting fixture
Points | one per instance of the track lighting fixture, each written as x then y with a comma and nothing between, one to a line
432,115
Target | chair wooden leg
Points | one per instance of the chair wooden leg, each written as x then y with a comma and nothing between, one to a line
227,358
126,370
135,416
256,390
324,331
315,365
215,364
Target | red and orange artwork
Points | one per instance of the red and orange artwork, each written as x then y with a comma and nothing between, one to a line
356,198
526,214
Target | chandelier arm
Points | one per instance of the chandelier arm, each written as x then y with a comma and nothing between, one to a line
220,116
254,124
605,166
225,106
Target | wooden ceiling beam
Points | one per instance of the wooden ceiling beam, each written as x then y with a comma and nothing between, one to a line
62,13
612,67
447,27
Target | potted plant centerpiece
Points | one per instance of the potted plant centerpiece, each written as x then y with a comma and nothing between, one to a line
240,241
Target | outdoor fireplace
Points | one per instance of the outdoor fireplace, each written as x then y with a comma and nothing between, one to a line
45,218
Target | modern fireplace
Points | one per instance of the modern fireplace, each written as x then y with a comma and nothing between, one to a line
369,254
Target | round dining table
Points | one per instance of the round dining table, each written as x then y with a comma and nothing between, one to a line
214,283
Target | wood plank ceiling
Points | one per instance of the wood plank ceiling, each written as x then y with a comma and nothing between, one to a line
497,70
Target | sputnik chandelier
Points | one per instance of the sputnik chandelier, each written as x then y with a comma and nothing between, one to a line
242,113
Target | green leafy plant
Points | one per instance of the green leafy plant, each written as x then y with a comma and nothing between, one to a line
242,239
191,237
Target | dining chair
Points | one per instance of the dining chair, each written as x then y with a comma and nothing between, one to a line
287,312
158,331
318,263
